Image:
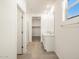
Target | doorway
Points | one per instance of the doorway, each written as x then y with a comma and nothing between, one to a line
36,28
19,31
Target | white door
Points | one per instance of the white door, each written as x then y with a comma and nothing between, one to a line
19,31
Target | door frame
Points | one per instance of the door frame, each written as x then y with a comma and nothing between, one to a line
18,7
32,28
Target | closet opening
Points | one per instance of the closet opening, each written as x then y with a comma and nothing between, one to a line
36,28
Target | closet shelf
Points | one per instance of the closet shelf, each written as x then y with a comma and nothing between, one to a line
36,26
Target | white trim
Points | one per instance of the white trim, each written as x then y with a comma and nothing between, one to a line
68,7
78,0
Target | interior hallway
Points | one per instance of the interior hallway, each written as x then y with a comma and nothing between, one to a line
36,51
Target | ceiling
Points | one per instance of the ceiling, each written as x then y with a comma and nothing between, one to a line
38,6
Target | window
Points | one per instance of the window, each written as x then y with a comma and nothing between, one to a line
72,8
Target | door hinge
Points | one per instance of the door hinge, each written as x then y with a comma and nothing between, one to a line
22,32
22,46
22,17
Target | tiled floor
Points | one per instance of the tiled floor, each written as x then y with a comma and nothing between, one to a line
35,51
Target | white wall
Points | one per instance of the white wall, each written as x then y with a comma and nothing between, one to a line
22,5
30,27
36,31
27,25
36,22
67,36
8,29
